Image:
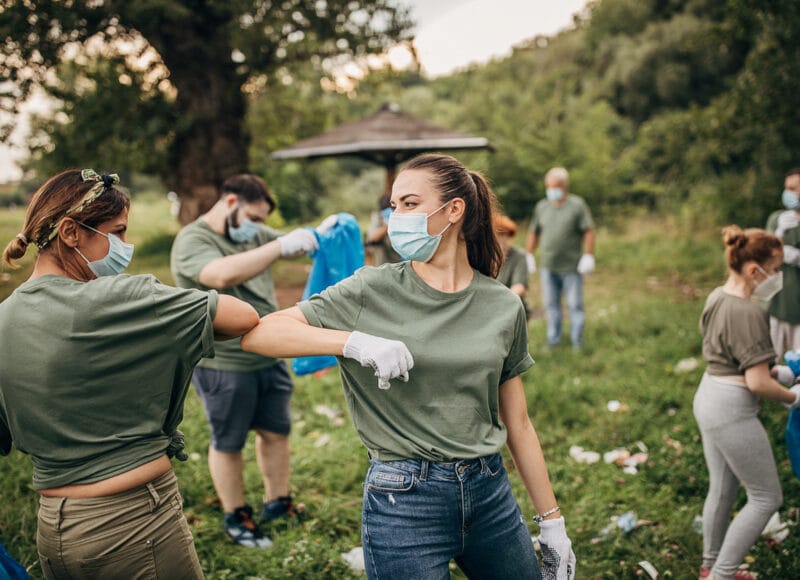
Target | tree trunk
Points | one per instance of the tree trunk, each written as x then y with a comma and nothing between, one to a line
210,141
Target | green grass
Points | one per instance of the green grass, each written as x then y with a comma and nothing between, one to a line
642,310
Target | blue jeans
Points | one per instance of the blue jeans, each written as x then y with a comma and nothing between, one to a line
571,285
418,515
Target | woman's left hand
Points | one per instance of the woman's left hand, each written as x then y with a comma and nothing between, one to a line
558,559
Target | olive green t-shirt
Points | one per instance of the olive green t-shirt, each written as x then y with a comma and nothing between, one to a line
785,305
465,344
195,246
94,374
560,231
735,334
515,271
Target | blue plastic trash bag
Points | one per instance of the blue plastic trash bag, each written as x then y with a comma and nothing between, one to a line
10,569
340,253
793,440
792,359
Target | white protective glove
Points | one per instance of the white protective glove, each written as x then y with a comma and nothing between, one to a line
299,241
530,261
390,359
796,390
586,264
787,220
791,255
558,559
783,374
327,223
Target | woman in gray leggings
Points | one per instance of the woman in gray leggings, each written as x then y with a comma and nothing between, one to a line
739,353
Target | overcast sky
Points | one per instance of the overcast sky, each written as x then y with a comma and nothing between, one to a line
450,34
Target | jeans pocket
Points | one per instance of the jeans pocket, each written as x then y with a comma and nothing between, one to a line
495,466
383,478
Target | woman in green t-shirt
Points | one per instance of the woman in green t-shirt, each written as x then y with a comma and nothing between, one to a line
447,343
95,370
739,353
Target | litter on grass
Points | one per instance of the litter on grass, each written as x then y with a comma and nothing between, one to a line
626,522
615,406
686,365
649,568
582,455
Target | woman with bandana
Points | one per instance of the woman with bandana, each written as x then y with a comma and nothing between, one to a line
431,352
96,366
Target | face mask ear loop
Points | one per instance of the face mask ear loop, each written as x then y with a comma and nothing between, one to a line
85,259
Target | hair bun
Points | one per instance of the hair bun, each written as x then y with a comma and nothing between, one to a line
733,235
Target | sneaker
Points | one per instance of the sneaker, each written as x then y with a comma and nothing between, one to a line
282,507
243,530
705,573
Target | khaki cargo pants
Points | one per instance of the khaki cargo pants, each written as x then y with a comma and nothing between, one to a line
138,534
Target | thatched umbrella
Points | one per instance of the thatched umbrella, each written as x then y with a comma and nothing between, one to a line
388,138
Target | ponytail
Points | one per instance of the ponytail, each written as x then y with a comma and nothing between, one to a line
483,248
15,249
453,180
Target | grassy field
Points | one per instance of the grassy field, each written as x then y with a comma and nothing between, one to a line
642,309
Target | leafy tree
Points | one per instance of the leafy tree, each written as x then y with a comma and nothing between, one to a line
202,55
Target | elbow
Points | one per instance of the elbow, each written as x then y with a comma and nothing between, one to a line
758,387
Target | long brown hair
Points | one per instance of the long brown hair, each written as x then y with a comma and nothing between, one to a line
453,180
752,244
50,205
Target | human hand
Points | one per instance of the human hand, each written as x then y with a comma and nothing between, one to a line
783,374
530,261
787,220
791,255
299,241
327,223
586,264
558,559
796,390
390,359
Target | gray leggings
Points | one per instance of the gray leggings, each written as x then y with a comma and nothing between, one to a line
737,450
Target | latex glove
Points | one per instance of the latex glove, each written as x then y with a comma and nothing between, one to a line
530,261
299,241
586,264
327,223
558,559
390,359
796,390
783,374
791,255
786,221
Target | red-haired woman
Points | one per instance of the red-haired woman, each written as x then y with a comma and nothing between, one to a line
739,353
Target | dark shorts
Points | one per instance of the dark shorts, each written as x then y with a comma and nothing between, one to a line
239,401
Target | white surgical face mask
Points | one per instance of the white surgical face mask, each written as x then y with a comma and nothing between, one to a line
408,233
768,287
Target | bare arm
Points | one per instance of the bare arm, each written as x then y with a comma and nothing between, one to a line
233,318
588,242
760,382
237,268
287,333
525,447
531,242
518,289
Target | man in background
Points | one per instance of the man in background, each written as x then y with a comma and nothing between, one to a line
230,250
563,230
784,308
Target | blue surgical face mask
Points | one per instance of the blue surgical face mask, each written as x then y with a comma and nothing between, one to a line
409,235
242,233
555,193
790,199
115,262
